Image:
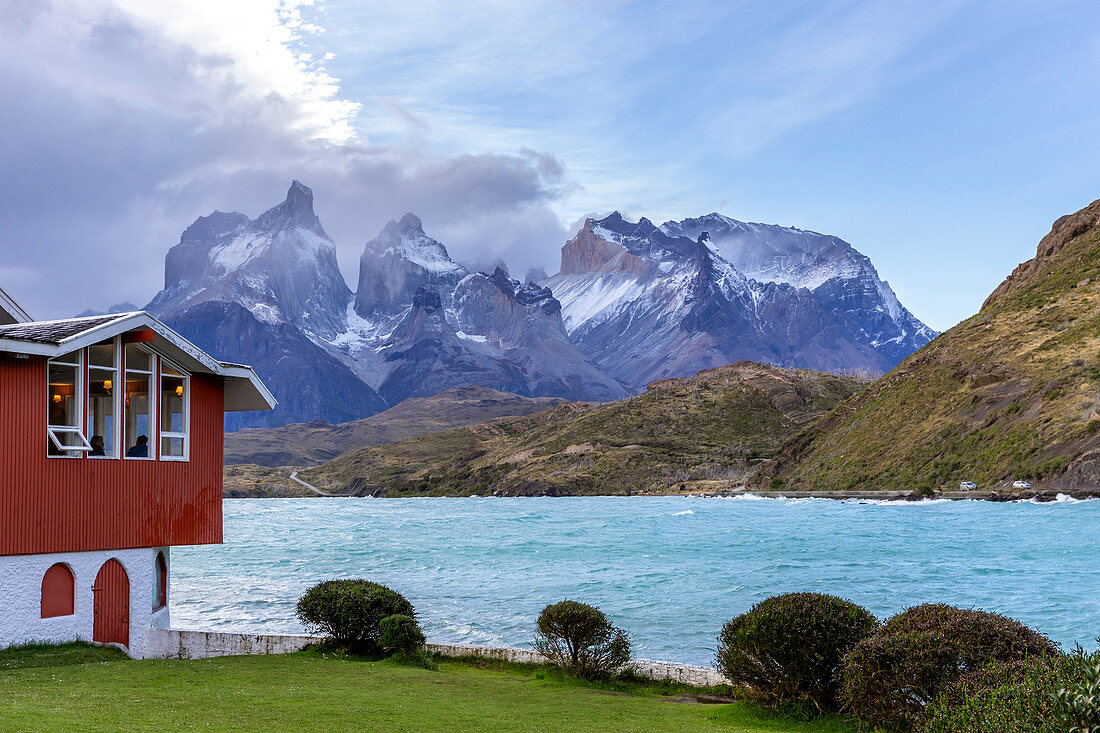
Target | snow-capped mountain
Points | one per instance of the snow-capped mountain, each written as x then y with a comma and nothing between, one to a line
268,292
423,323
399,260
647,302
633,302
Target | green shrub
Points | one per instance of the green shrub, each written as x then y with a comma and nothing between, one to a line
786,649
350,612
1077,706
889,677
1002,697
580,638
401,634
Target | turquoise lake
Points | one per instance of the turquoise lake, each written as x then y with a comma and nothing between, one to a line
669,570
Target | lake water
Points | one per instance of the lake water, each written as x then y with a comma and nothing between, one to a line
670,570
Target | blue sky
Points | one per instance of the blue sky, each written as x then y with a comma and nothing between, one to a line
941,138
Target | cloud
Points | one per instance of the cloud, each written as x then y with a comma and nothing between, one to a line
126,120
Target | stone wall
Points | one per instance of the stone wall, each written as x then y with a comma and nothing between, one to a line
181,644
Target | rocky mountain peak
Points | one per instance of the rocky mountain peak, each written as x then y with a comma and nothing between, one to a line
1064,230
295,212
410,225
211,227
397,262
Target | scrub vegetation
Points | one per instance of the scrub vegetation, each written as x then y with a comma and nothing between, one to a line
1010,393
700,433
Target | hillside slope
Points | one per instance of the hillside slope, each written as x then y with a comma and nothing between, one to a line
306,444
1011,393
698,432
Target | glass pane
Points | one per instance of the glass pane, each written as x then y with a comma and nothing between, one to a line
101,411
101,355
63,407
166,368
172,396
171,447
67,438
73,357
138,415
138,358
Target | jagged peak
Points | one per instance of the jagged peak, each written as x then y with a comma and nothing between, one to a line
405,238
214,225
295,211
409,224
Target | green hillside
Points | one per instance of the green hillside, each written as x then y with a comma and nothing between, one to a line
1011,393
699,433
307,444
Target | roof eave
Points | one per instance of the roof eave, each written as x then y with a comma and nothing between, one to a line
11,309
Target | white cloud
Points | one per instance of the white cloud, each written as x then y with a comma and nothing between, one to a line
126,120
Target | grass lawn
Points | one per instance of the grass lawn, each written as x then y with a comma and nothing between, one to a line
81,688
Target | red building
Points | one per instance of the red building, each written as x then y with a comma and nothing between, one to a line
110,454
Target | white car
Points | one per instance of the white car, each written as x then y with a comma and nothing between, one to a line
1021,485
968,486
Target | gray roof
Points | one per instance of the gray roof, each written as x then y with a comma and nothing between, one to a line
54,332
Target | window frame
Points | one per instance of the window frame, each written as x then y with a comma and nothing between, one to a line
79,360
117,398
185,436
154,413
53,431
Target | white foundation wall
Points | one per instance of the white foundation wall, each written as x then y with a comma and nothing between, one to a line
21,596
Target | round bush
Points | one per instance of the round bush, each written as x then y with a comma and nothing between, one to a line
1001,697
351,611
580,638
787,648
891,676
401,634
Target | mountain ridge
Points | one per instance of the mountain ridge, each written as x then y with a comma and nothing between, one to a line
634,302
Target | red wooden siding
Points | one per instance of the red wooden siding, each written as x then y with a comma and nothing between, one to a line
75,504
58,591
111,604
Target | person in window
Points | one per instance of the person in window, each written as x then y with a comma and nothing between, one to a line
140,449
97,446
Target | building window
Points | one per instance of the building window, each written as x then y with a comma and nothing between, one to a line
173,413
102,400
66,438
160,589
139,405
58,591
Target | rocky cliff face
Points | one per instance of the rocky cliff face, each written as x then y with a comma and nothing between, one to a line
268,292
648,302
399,260
281,266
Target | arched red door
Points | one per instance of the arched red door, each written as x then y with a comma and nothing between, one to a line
111,605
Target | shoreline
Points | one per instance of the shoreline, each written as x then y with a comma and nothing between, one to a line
1041,496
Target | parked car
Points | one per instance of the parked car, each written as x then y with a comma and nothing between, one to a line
1021,485
968,486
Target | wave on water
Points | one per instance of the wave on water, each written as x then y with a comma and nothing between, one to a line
686,511
1058,499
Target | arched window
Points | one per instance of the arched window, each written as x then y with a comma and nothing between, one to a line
160,588
58,591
